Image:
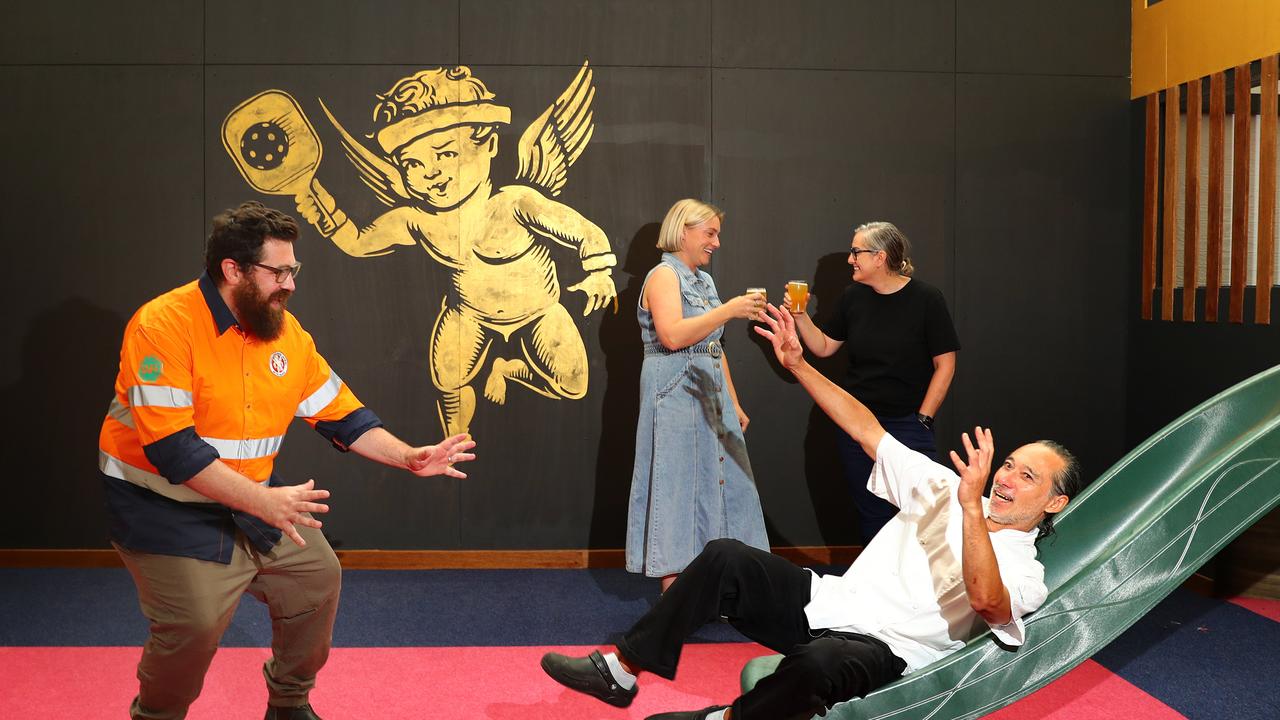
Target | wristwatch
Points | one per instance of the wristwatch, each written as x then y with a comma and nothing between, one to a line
925,420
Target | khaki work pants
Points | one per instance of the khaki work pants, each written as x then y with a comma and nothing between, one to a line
190,603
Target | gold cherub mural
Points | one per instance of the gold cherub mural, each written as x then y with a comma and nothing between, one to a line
436,136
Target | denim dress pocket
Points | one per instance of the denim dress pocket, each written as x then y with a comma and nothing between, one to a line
677,378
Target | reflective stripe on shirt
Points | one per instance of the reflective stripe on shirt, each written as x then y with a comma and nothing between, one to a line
120,470
159,396
319,399
120,412
246,449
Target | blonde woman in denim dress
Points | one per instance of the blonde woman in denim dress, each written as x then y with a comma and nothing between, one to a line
692,481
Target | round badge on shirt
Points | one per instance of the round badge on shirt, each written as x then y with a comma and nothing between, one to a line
279,364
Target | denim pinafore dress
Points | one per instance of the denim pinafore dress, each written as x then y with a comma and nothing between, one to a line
692,481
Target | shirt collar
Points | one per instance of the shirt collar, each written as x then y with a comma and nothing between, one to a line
222,316
681,268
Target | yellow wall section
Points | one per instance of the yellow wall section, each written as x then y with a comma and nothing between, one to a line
1179,40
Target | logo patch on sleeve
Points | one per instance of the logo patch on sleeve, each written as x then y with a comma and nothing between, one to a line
279,364
150,369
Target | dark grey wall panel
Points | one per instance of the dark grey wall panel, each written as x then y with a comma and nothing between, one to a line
801,158
85,31
1042,271
1083,37
914,35
331,31
103,211
819,116
564,470
564,32
1179,365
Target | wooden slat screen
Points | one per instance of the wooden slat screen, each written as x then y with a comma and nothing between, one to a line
1170,214
1149,170
1164,187
1240,194
1266,190
1217,172
1191,220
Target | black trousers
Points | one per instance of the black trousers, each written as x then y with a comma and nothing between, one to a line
874,512
763,596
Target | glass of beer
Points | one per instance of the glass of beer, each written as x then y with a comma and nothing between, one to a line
764,297
798,293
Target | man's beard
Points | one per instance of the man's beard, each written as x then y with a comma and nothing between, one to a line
257,315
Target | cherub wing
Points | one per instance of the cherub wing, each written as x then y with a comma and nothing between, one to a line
554,141
381,176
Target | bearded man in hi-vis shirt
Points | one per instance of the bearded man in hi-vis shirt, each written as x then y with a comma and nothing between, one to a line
211,375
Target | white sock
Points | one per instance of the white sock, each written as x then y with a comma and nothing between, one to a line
624,678
717,715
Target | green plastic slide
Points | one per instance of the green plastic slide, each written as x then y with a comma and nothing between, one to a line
1132,537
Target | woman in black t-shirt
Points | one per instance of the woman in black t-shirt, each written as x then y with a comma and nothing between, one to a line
901,346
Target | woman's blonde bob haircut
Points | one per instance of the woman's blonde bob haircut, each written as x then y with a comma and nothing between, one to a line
684,214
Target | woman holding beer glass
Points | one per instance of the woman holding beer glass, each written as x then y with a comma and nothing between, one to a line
902,354
692,481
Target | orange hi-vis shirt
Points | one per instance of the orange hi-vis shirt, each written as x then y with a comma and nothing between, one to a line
194,388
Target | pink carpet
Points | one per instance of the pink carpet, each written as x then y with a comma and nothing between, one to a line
457,683
359,683
1265,608
1089,692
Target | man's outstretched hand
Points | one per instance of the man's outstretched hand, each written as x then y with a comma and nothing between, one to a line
439,459
975,469
782,335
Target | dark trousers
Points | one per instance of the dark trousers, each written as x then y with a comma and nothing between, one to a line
875,511
763,596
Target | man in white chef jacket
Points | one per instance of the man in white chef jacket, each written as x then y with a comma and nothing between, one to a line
950,564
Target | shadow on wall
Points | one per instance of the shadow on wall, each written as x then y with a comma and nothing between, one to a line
833,510
837,519
70,356
623,356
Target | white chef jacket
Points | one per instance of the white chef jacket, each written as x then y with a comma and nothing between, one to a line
906,587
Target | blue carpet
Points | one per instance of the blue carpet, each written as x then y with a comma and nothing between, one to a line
380,608
1202,657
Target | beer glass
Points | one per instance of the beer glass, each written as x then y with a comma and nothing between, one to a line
798,293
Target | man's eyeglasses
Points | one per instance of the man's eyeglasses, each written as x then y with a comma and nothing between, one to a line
282,273
855,252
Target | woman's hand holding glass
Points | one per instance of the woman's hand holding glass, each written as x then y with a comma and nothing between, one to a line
749,306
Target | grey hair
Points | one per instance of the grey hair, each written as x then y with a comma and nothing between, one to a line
1068,481
886,237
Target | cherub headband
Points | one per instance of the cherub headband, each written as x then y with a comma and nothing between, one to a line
482,112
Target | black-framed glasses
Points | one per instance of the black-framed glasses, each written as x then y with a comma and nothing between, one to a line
855,252
281,273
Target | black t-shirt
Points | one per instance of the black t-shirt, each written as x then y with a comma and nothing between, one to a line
891,341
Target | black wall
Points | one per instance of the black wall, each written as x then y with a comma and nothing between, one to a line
1178,365
996,134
